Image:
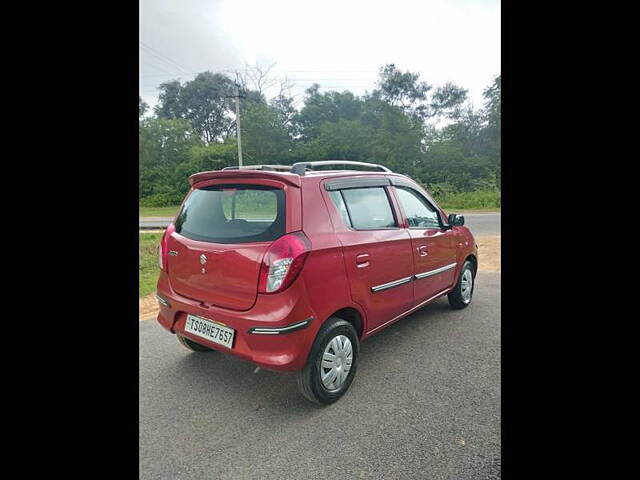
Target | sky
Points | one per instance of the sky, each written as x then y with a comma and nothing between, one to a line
340,44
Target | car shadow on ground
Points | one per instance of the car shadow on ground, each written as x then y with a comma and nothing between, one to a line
250,390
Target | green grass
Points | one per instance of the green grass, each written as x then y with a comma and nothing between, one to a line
479,201
454,209
158,211
149,270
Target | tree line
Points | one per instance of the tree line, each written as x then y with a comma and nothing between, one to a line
431,133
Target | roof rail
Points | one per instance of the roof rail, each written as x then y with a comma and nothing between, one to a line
301,167
272,168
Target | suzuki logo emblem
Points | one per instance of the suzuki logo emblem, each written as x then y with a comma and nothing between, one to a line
203,259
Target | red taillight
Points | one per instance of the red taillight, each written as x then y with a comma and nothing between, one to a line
163,250
283,262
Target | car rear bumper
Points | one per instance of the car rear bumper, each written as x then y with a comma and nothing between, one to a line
276,333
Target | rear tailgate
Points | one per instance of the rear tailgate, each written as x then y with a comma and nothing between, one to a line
223,230
216,274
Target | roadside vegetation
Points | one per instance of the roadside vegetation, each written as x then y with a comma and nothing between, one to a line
478,200
148,262
168,211
430,132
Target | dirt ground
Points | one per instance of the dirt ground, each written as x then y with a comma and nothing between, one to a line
148,306
488,253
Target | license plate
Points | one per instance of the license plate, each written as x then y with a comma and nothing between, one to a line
214,332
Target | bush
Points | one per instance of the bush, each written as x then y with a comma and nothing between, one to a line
471,200
161,200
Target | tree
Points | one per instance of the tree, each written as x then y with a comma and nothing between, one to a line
206,102
327,107
143,107
448,100
170,103
492,95
341,140
492,106
399,125
398,138
447,163
403,90
200,158
284,107
164,145
465,155
265,138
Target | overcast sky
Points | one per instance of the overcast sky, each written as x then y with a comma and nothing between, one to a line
339,44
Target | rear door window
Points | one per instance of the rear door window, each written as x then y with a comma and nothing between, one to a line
368,208
233,214
338,201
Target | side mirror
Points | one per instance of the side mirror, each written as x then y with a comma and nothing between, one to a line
456,220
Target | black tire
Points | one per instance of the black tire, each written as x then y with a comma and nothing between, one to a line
456,299
309,380
191,345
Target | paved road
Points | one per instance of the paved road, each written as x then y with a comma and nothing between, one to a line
425,404
156,223
479,223
483,223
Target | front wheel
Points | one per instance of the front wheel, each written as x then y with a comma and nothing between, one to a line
332,362
460,296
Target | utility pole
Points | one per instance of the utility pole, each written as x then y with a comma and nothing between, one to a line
238,126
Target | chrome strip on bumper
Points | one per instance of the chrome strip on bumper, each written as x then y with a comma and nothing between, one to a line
418,276
395,283
278,330
163,300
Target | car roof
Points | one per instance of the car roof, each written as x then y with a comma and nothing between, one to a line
290,178
341,173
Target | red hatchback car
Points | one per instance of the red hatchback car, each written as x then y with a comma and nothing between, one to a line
292,268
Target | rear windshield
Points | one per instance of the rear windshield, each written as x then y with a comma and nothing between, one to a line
233,214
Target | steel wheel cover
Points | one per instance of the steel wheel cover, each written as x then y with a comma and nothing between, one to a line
466,286
336,362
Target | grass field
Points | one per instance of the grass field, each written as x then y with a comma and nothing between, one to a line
158,211
479,200
148,267
454,209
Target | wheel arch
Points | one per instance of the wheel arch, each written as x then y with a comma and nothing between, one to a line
474,261
353,316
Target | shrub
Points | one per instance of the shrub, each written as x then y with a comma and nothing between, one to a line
161,200
471,200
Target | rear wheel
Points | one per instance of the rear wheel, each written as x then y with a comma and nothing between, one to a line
460,297
191,345
332,362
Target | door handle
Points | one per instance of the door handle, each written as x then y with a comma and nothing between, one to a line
362,260
422,251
